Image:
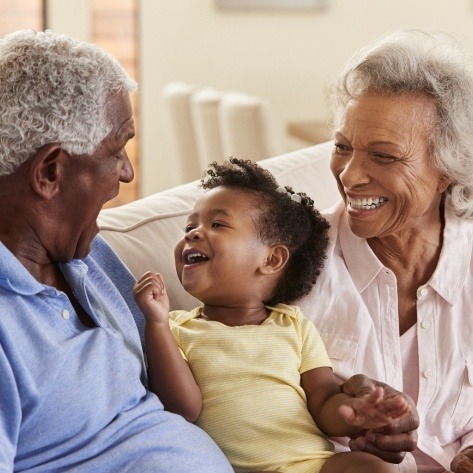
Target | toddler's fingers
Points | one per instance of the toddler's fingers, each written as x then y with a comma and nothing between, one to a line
375,396
396,407
348,414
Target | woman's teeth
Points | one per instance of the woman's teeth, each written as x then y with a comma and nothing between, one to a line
369,203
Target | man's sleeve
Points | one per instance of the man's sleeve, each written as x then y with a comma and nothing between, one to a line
10,414
120,276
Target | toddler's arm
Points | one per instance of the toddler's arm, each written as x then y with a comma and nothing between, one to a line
338,414
169,375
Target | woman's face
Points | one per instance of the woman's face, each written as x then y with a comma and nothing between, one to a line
383,166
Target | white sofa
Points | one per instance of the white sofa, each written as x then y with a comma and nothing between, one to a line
143,233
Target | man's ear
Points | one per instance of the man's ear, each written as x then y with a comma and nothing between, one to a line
276,259
46,169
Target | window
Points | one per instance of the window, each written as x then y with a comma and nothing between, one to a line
114,30
21,15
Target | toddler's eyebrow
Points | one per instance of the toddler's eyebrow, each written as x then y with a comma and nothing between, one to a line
213,213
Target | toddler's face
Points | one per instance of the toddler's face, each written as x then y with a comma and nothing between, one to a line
218,258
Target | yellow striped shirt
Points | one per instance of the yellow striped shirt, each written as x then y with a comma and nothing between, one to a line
253,404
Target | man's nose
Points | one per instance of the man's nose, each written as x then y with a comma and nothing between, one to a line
126,172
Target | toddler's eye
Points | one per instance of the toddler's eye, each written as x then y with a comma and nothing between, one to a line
216,224
188,228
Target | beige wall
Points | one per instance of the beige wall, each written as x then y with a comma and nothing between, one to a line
286,57
71,17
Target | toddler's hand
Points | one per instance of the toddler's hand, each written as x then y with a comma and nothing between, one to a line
373,410
151,297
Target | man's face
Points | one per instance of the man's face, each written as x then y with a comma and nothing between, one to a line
91,180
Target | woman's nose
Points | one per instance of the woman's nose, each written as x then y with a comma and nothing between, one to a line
353,172
126,172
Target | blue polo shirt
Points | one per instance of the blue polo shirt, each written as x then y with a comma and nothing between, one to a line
73,398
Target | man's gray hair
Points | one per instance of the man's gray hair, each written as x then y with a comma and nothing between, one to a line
53,89
413,61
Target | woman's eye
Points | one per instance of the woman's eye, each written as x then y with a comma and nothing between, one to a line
384,158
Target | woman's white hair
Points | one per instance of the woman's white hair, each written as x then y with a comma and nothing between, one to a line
414,61
53,89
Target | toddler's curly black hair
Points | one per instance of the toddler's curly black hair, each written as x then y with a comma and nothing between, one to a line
287,220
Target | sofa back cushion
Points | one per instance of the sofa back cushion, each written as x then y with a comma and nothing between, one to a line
144,232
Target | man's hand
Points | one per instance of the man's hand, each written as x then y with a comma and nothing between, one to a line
391,442
463,462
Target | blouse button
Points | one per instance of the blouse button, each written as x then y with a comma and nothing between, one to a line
65,314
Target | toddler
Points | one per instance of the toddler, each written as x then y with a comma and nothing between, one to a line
247,367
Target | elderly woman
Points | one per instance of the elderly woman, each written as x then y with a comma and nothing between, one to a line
397,289
73,391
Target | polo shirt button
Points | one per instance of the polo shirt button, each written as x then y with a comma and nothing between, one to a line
427,373
425,324
65,314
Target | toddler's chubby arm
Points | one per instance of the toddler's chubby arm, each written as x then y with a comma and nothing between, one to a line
169,375
339,415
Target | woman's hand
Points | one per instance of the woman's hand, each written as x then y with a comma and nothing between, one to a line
391,442
151,297
463,462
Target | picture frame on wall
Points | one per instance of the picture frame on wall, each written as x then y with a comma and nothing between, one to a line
300,5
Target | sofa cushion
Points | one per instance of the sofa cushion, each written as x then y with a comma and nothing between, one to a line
144,232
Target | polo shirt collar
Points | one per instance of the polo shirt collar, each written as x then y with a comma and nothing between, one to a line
14,277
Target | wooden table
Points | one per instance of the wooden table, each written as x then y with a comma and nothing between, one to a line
312,131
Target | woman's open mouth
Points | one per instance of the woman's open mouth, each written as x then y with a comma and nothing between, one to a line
366,203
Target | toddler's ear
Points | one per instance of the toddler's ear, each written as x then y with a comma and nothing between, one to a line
276,259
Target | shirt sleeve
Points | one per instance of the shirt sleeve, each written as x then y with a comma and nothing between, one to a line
121,277
10,414
313,352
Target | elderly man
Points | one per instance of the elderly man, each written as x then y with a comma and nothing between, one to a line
73,391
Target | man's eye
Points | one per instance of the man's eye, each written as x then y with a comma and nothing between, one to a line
342,149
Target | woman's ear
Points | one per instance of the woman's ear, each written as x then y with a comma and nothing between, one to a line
45,170
443,183
276,259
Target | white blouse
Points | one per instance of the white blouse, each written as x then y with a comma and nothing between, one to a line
354,307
